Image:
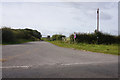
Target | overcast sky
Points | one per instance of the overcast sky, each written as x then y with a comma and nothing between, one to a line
61,17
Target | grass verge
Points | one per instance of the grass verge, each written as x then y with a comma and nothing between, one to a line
107,49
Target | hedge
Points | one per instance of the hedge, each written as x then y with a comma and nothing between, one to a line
12,35
95,38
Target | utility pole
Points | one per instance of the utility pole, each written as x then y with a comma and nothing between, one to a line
97,25
98,20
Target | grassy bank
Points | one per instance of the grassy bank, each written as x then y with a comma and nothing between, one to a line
107,49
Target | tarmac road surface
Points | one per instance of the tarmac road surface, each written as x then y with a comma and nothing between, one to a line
41,59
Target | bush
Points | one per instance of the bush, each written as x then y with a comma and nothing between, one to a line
58,37
48,37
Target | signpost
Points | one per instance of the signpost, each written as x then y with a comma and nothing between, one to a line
74,36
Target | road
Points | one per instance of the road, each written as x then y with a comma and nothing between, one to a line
44,60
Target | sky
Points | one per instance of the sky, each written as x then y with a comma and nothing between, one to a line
60,17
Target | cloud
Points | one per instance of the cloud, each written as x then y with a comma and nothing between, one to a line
105,16
60,17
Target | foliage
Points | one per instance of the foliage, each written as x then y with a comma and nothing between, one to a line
48,37
8,35
13,35
95,38
58,37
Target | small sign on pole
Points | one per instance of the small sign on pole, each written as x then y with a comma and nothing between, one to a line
74,36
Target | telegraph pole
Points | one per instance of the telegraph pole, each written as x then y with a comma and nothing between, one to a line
97,25
98,20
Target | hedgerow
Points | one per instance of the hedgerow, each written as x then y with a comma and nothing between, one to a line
95,38
14,35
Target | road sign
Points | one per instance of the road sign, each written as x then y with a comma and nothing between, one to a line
74,35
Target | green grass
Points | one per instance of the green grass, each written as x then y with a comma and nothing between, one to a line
20,41
107,49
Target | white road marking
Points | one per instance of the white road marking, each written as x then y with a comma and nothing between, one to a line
84,63
76,63
62,64
8,67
